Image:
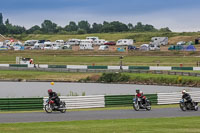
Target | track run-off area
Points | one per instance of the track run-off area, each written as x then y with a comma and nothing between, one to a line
94,115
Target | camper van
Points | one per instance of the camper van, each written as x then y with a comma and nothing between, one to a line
73,42
124,42
99,42
47,46
96,40
92,38
154,47
40,44
86,45
30,42
159,41
104,47
60,42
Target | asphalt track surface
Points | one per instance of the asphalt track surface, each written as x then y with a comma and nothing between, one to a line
94,115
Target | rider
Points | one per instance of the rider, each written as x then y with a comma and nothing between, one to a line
139,94
187,97
53,96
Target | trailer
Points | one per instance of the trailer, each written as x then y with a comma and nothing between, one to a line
125,42
159,41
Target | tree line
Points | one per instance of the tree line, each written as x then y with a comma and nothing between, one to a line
82,27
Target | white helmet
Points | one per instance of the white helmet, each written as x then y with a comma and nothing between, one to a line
141,92
183,91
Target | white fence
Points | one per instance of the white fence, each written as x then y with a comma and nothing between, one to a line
78,102
175,97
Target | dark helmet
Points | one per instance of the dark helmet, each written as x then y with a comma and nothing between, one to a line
137,91
50,91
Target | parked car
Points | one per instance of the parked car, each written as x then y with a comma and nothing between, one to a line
103,47
110,43
132,48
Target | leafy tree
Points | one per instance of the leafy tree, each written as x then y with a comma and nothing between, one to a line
72,26
130,26
49,27
7,22
84,25
1,19
81,31
3,29
96,28
33,29
165,30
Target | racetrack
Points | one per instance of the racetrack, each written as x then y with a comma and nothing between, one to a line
94,115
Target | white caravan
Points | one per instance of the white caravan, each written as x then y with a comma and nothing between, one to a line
86,45
73,42
159,41
124,42
60,42
47,46
96,40
92,38
30,42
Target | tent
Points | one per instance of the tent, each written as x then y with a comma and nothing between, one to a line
178,47
190,48
144,47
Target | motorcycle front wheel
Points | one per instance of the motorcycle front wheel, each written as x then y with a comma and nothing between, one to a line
136,107
183,107
48,108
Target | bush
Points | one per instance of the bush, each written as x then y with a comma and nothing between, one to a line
114,77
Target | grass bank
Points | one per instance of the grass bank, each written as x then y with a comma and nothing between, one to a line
134,78
136,58
150,125
138,36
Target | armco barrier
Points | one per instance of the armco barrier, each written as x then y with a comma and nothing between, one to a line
21,103
78,102
126,100
57,66
175,97
182,68
139,67
18,65
97,67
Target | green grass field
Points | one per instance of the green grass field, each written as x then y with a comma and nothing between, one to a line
138,36
150,125
144,78
102,58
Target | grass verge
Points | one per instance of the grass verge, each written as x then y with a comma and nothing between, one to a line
150,125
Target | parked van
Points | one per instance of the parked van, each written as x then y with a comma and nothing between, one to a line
159,41
104,47
73,42
30,42
125,42
154,47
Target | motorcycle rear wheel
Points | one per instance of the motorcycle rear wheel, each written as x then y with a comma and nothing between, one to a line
148,106
63,106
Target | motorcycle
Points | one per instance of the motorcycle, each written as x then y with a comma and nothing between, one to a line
138,104
188,106
51,106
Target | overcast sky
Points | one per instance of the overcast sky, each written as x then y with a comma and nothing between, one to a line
178,15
